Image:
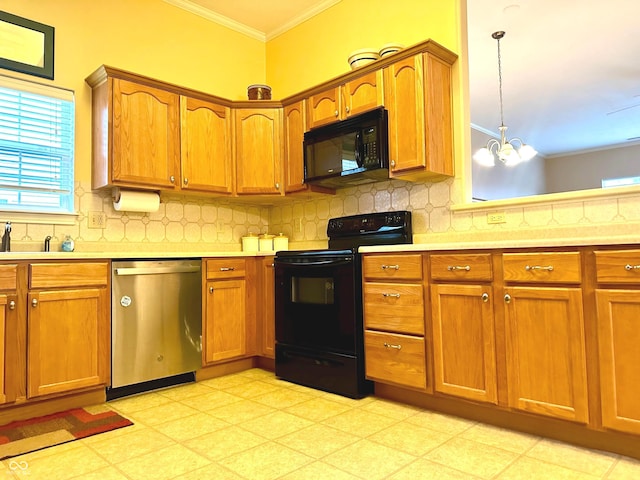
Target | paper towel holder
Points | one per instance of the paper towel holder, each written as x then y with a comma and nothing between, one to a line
116,193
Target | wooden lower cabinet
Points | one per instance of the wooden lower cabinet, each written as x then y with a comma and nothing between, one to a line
230,299
3,348
618,313
66,340
225,331
268,308
464,357
546,364
395,358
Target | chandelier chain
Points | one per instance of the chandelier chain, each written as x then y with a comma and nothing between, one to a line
500,82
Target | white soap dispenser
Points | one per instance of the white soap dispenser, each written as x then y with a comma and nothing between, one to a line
67,244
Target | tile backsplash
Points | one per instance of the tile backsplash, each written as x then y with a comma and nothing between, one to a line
191,223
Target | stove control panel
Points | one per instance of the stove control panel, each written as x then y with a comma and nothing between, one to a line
369,223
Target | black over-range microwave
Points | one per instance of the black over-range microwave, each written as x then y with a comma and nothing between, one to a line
348,153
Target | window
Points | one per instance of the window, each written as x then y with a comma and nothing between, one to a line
36,148
620,182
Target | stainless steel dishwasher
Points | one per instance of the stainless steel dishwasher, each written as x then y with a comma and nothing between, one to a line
156,328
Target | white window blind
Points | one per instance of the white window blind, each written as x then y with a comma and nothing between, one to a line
36,147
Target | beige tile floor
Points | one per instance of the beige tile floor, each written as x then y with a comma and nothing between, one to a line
253,426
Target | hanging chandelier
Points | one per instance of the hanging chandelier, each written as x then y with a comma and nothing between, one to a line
510,152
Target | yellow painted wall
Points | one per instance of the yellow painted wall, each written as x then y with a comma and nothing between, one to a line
149,37
318,49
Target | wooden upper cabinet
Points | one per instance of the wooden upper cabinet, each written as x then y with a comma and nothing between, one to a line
145,141
418,98
205,138
353,97
258,150
294,128
323,108
363,94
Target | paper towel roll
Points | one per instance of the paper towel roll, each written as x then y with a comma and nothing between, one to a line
133,201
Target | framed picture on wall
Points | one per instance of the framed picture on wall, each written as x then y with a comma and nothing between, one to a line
26,46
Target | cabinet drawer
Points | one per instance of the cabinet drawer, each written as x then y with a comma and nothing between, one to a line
394,307
8,275
563,267
79,274
461,267
400,267
395,358
226,268
618,266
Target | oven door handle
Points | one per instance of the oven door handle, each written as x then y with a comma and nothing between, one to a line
322,263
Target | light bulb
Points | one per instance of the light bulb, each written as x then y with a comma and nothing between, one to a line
527,152
484,157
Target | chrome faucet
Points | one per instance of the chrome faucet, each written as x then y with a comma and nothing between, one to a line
6,238
47,243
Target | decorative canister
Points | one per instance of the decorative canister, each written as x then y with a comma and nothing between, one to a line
280,242
250,242
259,92
266,242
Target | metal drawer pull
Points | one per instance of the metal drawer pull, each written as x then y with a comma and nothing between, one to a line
391,345
628,267
12,305
451,268
507,298
227,269
394,295
485,297
548,268
392,267
210,289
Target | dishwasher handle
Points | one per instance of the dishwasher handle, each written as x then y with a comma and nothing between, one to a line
123,271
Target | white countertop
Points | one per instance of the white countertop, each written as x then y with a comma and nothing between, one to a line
10,256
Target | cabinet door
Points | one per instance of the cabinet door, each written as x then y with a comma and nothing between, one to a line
464,341
404,99
364,93
146,137
619,340
68,341
258,142
294,128
3,348
546,369
268,308
323,108
205,137
224,328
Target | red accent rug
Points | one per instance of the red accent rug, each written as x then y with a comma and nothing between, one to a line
24,436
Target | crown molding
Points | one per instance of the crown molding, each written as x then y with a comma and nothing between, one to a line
196,9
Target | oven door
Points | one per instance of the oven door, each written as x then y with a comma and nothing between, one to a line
318,301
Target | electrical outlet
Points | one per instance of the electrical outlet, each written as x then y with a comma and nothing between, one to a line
97,220
496,217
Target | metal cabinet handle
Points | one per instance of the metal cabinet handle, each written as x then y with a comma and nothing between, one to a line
394,295
277,185
185,181
348,109
391,267
172,179
34,302
12,305
452,268
507,298
393,163
210,289
530,268
629,268
391,345
485,297
227,269
336,113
